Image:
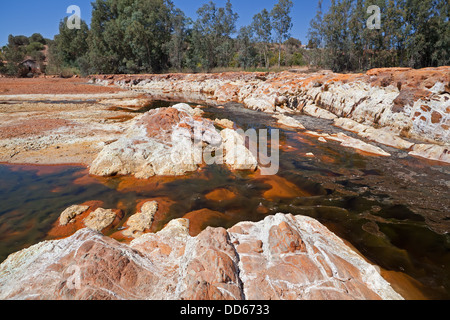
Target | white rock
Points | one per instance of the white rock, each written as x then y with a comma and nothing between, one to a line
142,220
289,121
237,156
70,213
432,152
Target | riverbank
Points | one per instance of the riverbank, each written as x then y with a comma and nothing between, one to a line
373,192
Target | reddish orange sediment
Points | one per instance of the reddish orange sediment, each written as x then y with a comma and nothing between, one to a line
59,232
200,218
281,187
221,194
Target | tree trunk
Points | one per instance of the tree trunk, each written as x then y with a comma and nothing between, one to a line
279,55
266,57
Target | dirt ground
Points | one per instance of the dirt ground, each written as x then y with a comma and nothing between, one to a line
17,86
54,120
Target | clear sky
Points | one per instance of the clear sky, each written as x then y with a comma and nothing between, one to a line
26,17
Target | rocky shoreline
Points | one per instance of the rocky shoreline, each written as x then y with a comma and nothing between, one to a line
391,106
282,257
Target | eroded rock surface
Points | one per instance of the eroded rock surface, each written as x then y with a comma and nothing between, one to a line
142,220
406,103
70,213
283,257
101,219
171,142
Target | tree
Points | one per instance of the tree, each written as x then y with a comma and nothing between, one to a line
441,54
177,47
37,37
282,23
262,27
69,44
130,36
14,52
212,34
356,25
414,33
315,31
246,49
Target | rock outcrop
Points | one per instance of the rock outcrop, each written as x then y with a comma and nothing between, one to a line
236,155
289,121
404,102
382,136
101,219
68,215
142,220
283,257
170,142
350,142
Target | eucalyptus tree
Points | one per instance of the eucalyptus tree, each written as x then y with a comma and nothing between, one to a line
262,28
282,23
212,33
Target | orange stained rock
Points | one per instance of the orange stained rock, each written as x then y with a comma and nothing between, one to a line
121,118
160,216
164,205
327,159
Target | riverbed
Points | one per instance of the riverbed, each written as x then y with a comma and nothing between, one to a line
393,210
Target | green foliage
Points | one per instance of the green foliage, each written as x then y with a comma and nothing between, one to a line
130,36
37,37
33,47
414,33
262,28
247,53
296,59
281,23
152,36
211,35
67,48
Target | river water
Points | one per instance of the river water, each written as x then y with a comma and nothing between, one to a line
394,211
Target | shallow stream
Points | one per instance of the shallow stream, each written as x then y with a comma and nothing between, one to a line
394,211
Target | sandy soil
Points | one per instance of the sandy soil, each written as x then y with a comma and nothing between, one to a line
14,86
54,121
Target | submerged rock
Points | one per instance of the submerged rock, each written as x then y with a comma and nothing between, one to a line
349,142
101,219
283,257
70,213
289,121
357,144
142,220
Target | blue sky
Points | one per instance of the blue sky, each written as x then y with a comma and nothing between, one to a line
26,17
